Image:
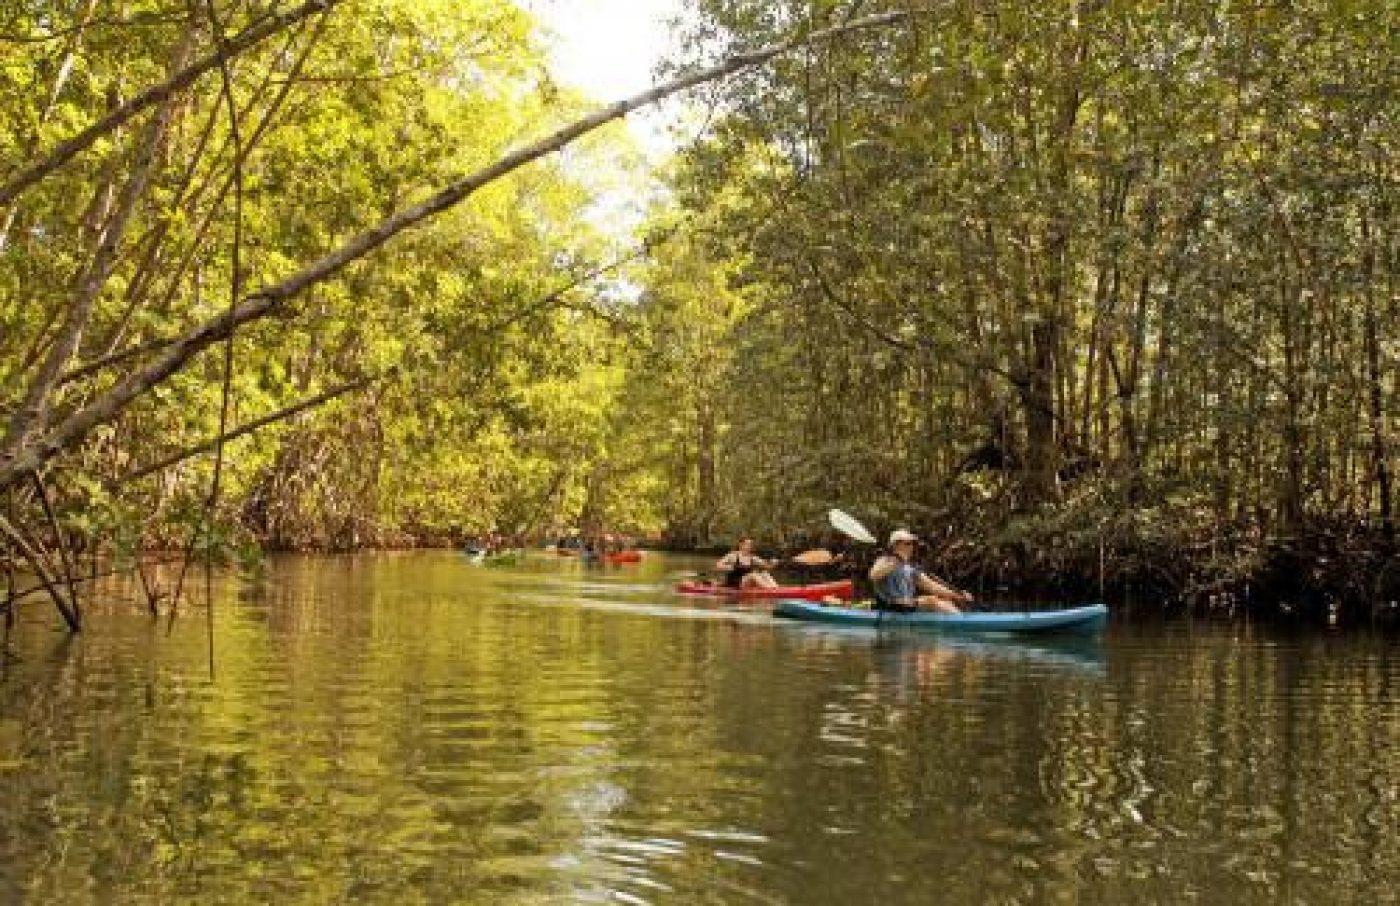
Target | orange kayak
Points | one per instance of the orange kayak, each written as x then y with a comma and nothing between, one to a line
628,556
844,590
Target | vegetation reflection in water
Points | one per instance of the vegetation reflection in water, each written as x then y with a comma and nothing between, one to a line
413,729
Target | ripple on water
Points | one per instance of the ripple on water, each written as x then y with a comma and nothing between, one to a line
414,729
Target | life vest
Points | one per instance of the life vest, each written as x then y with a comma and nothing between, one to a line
898,590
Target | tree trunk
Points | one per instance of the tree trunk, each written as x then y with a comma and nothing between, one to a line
706,498
1380,465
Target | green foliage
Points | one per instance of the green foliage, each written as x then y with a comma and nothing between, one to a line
499,405
1036,278
1007,254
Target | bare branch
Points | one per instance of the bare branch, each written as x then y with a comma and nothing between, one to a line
33,411
255,425
44,573
556,295
67,150
85,25
116,357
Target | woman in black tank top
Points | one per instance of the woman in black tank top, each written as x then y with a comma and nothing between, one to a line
745,569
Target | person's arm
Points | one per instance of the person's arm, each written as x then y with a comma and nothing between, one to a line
726,562
929,584
882,568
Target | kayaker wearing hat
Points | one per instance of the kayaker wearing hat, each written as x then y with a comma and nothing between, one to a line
900,585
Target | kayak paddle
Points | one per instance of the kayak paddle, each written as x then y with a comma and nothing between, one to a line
850,526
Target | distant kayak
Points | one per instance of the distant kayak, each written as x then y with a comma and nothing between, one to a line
628,556
1087,619
844,590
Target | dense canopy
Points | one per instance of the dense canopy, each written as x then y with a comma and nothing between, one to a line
1101,293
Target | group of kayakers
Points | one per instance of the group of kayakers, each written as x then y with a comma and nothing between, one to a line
492,543
596,545
899,583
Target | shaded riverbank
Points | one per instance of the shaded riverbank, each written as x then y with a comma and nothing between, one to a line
1320,579
1330,576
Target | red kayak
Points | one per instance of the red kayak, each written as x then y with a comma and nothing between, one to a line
844,590
628,556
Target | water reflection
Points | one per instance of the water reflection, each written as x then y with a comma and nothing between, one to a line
914,656
411,728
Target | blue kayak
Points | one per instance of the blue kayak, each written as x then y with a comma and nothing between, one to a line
1087,619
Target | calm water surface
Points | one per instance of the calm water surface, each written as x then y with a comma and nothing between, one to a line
416,729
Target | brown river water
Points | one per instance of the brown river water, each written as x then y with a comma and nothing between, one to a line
414,728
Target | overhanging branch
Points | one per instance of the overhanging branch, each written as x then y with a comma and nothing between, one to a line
269,300
255,425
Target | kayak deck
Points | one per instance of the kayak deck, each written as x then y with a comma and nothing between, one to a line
808,593
1088,618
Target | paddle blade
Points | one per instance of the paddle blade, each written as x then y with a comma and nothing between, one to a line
850,526
817,557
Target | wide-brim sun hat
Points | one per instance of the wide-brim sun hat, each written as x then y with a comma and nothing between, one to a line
899,535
